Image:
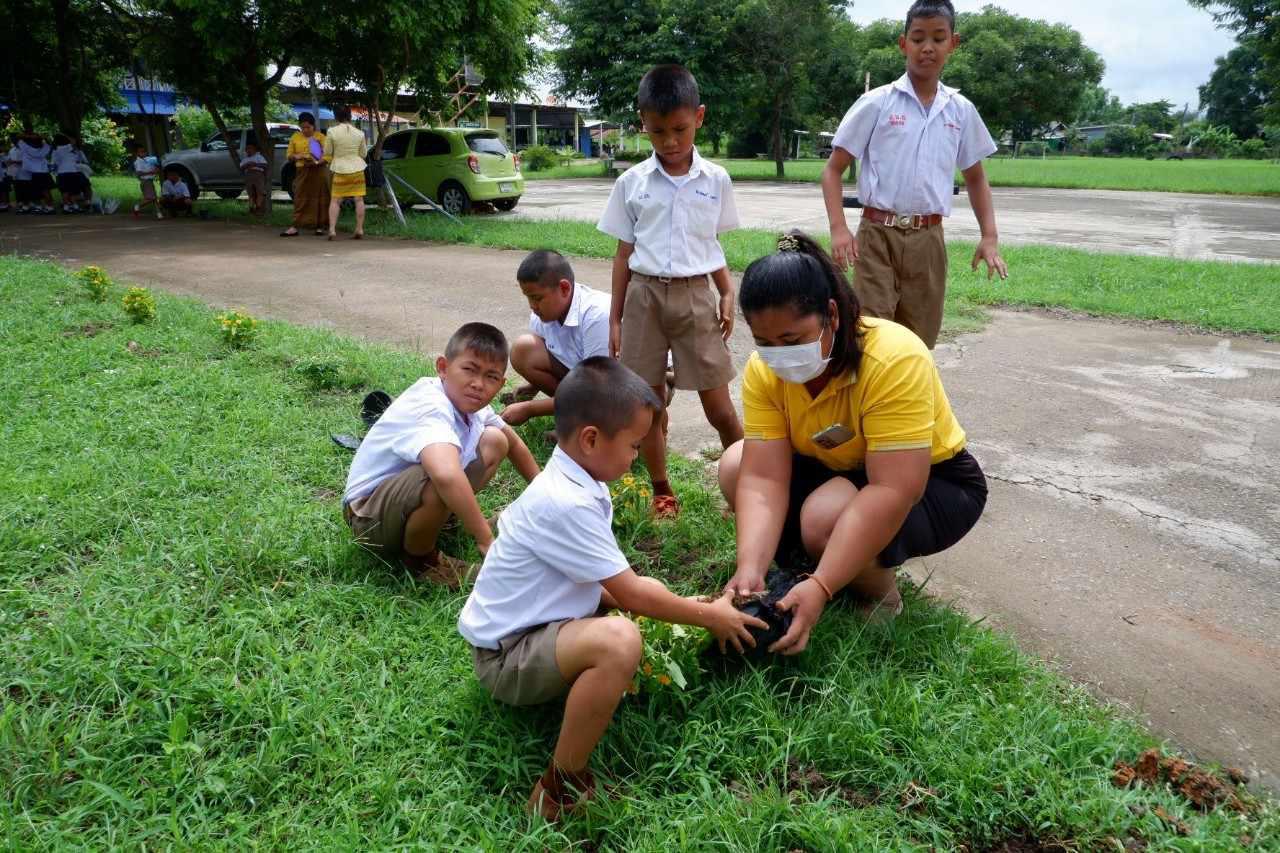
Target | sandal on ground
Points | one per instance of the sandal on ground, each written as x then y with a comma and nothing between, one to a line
320,232
550,437
331,236
439,569
289,233
559,791
358,236
666,507
523,394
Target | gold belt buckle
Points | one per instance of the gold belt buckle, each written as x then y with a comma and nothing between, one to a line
908,223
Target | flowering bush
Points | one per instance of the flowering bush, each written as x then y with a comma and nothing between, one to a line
95,281
631,503
139,304
238,328
671,656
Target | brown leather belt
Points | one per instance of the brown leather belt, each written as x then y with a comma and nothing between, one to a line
670,280
906,223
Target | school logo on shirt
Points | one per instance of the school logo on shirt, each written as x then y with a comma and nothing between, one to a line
897,119
706,195
951,125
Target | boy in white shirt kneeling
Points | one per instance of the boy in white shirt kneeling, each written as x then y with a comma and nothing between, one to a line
429,453
568,322
531,618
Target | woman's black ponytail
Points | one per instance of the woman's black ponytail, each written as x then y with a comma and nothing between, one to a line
802,275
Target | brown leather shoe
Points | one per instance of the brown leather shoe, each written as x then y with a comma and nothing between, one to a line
559,791
439,569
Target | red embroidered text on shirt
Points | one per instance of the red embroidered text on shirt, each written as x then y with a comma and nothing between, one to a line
952,125
897,120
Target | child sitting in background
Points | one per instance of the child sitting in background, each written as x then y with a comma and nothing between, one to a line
146,168
433,448
568,322
254,167
531,617
174,195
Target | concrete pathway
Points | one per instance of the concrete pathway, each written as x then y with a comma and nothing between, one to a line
1177,225
1133,532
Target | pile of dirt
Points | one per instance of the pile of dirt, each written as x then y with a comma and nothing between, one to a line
1202,789
806,779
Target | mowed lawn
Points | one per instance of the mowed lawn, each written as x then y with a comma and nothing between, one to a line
194,655
1227,177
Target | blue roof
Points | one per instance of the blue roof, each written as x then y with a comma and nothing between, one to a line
322,114
153,102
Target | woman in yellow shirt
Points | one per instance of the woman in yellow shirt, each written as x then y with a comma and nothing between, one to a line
345,149
310,178
853,461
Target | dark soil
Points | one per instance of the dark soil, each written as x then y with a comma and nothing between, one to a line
88,330
808,780
1199,787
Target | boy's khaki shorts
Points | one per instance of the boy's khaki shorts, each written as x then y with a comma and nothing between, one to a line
682,316
523,670
148,188
901,275
378,518
255,182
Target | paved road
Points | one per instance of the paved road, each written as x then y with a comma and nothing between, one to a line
1207,227
1133,531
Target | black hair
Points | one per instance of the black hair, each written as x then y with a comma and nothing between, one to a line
173,170
61,139
308,118
480,338
342,112
249,142
667,88
601,392
545,267
806,279
931,9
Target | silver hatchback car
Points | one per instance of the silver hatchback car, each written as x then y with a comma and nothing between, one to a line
209,167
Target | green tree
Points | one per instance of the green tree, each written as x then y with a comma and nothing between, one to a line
1157,115
1257,22
1099,106
1234,95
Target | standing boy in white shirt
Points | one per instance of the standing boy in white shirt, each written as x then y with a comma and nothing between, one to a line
254,168
568,322
911,135
72,183
531,617
433,448
34,151
146,168
666,213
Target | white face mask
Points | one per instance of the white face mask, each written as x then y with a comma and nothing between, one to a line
796,363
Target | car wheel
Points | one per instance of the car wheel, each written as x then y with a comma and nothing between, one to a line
228,195
506,203
454,199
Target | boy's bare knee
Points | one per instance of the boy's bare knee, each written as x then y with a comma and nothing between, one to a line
495,444
621,642
523,351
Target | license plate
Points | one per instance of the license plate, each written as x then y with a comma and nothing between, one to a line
506,187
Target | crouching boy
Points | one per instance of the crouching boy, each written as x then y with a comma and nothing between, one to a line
433,448
568,322
531,618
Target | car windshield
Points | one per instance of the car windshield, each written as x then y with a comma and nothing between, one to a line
486,143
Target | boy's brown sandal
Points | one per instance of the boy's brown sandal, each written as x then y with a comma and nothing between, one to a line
438,568
523,394
559,791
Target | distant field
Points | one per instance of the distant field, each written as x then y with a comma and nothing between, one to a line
1227,177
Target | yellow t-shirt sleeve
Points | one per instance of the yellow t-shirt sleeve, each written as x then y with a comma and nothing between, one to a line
898,411
764,417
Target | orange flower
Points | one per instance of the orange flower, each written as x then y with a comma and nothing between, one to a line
664,680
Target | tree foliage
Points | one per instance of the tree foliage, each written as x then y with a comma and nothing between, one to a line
1099,106
1256,24
1235,95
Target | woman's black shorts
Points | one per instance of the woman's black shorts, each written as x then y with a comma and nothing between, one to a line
953,502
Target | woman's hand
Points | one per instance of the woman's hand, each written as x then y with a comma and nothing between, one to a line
745,582
806,600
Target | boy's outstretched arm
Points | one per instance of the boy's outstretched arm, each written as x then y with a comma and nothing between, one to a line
520,456
443,463
724,286
621,278
727,623
975,184
844,245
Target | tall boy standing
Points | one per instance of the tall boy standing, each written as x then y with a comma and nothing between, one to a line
568,322
911,135
666,213
531,618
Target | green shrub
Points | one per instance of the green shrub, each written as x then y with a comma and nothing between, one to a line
238,328
96,282
139,304
195,125
1253,149
536,158
327,374
1097,147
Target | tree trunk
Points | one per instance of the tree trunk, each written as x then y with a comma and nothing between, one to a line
258,118
219,123
777,136
66,100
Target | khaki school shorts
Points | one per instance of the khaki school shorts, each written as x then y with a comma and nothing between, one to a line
378,519
682,316
901,275
523,669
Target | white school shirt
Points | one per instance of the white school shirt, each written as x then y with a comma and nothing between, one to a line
34,160
420,417
673,222
13,164
909,154
584,332
177,189
66,159
145,169
256,163
555,545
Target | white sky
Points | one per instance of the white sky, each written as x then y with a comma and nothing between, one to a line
1153,48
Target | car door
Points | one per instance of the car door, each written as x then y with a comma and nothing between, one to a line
433,161
397,157
213,165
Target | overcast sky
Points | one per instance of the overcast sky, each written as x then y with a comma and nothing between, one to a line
1153,48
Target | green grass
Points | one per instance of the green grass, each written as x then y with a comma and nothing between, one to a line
1228,177
195,655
